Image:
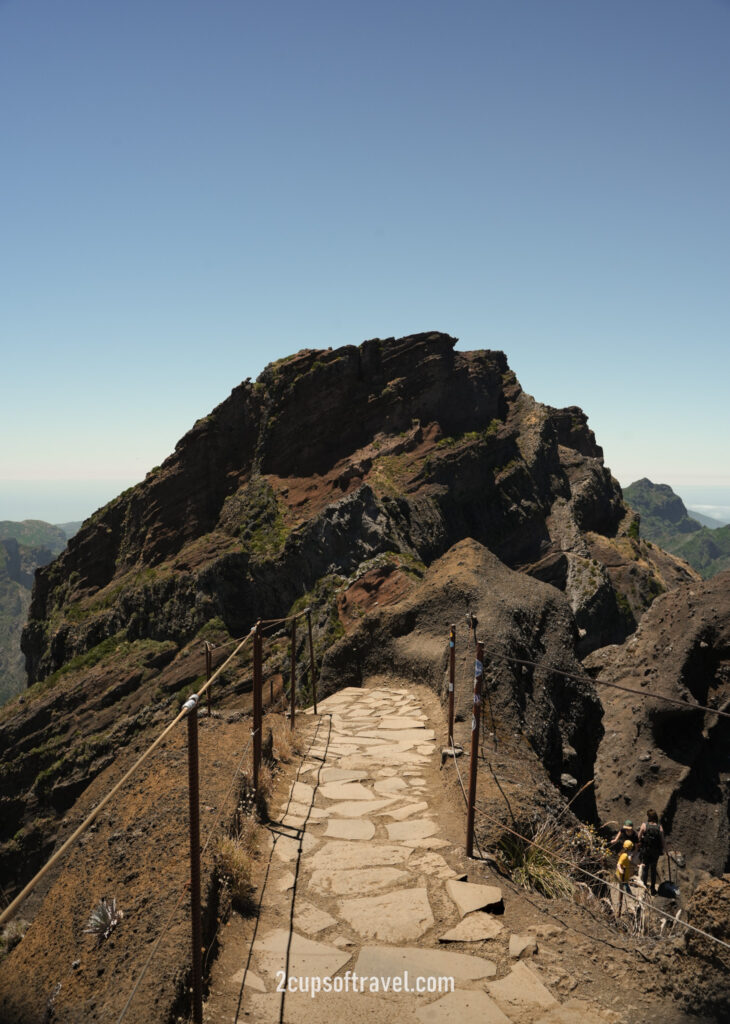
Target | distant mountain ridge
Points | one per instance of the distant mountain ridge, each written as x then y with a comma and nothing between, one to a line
708,521
666,521
24,547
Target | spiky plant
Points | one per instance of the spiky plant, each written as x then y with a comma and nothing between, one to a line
104,918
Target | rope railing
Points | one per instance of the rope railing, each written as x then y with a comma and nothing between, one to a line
91,817
189,711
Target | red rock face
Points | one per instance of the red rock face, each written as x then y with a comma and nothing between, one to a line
378,588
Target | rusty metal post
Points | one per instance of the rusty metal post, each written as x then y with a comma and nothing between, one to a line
311,661
476,715
208,672
193,794
257,704
452,675
293,677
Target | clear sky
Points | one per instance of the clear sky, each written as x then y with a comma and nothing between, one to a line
190,190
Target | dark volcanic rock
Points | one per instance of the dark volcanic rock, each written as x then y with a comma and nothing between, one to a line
696,970
661,755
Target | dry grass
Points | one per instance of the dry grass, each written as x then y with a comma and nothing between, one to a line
287,744
540,864
555,860
266,783
249,835
235,862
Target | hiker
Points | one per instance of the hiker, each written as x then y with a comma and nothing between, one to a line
624,871
651,846
627,831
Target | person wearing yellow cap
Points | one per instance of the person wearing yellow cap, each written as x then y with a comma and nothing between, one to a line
624,871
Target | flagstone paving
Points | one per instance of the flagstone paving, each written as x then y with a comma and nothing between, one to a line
354,869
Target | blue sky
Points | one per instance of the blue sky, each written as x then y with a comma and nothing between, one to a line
191,190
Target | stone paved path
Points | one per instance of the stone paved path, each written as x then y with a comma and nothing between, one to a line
361,884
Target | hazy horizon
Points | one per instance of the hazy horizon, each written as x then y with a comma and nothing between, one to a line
66,501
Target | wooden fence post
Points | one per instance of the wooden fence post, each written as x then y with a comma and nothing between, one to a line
257,703
476,715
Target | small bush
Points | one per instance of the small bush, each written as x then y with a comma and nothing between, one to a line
12,934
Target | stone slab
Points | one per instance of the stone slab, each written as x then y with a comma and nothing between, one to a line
521,989
287,847
393,961
285,882
475,927
422,828
349,828
337,856
432,864
358,808
401,722
329,1007
403,735
345,791
393,917
248,979
433,843
474,1007
302,810
301,793
522,946
468,896
310,919
391,785
358,881
342,775
401,813
306,957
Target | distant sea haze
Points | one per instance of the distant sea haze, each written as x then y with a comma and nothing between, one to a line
57,501
710,501
65,501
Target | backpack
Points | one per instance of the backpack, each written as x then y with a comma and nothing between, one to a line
651,843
